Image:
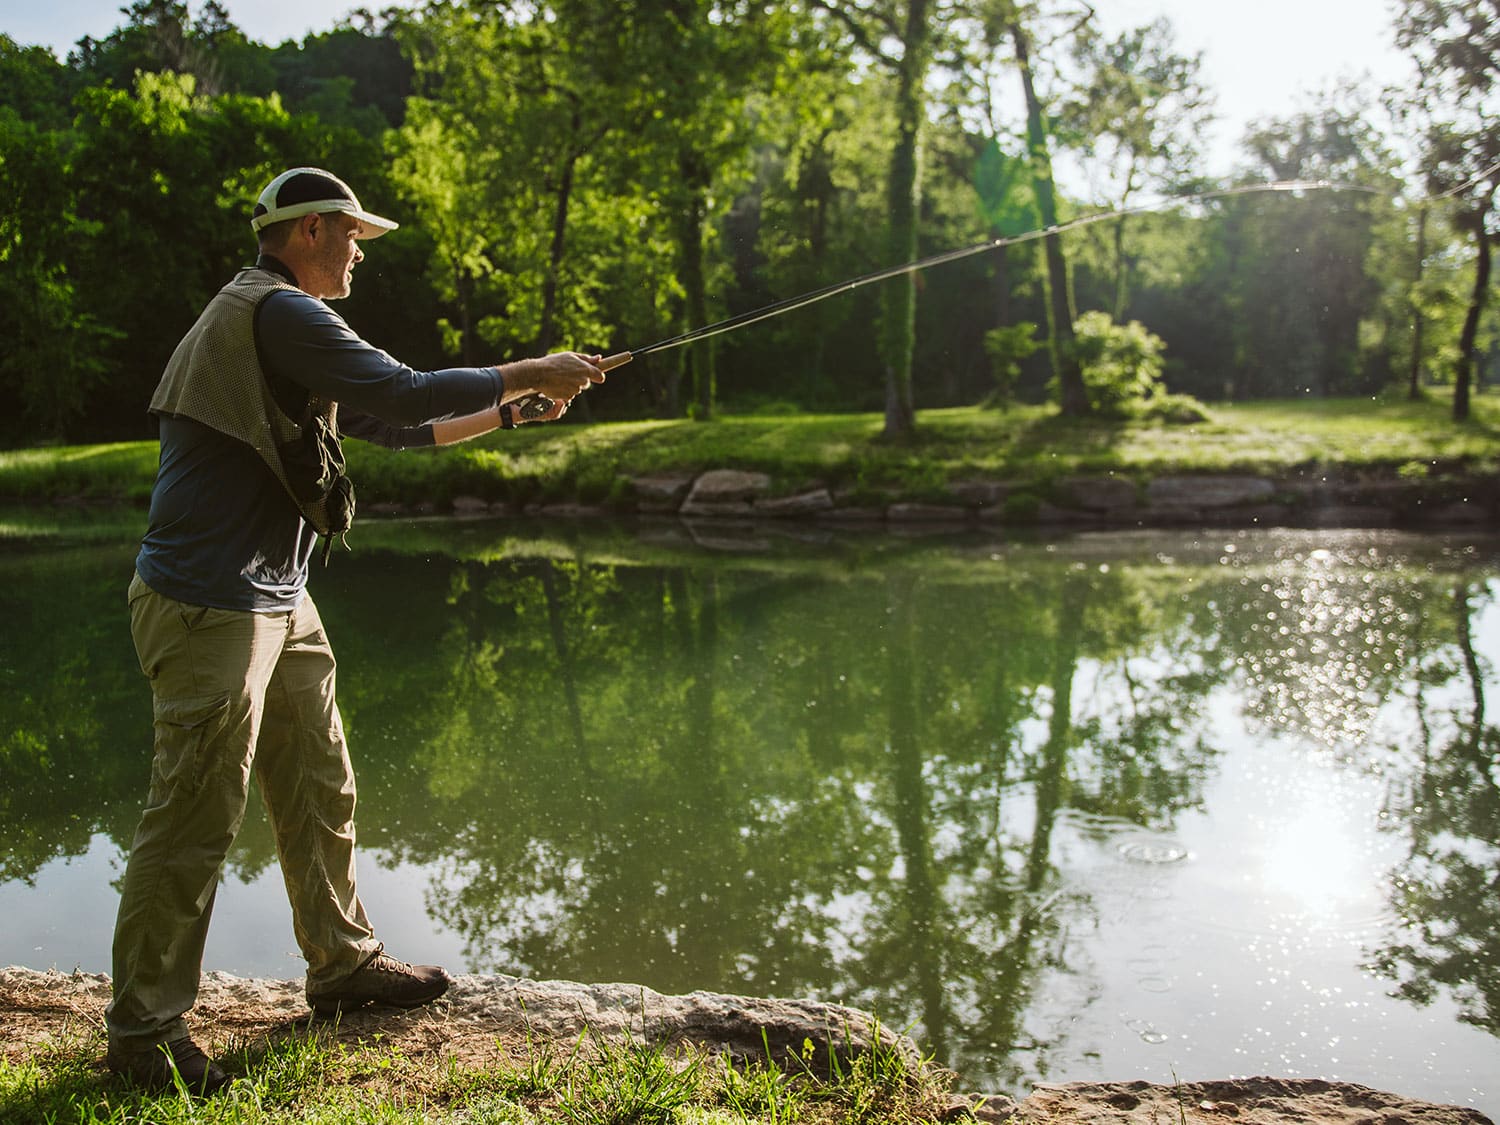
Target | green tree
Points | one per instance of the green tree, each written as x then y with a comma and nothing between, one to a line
52,361
1456,44
1299,285
1007,23
162,180
33,84
900,36
1136,117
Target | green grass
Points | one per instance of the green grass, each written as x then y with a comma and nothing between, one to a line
589,463
309,1076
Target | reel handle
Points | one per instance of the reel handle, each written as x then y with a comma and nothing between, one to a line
534,405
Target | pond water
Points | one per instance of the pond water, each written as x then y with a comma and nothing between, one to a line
1112,806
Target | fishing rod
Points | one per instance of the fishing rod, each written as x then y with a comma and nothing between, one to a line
535,405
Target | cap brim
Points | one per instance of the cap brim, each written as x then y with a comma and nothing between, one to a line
374,225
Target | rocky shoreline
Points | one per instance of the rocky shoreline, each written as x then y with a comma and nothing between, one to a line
1306,498
485,1009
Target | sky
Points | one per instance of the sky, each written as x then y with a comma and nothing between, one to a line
1261,59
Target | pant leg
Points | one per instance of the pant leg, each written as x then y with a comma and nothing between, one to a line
307,781
209,669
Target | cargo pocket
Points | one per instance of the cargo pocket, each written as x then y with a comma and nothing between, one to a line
184,730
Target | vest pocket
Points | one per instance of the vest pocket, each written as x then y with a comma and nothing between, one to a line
185,728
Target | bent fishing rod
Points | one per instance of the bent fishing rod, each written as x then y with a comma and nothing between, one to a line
535,405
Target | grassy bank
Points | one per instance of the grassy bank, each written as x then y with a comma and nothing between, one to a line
590,463
302,1074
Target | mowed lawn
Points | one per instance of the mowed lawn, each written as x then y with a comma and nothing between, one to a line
591,462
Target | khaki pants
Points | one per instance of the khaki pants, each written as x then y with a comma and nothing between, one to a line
232,692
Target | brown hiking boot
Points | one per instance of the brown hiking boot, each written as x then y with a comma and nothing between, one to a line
157,1067
381,980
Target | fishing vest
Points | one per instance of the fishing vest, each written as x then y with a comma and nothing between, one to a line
215,377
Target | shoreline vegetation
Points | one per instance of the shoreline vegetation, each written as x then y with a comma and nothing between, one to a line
1020,466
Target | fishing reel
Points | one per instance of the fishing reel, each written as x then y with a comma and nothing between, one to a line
531,407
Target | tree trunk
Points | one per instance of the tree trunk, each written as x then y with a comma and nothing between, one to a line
546,337
1418,320
1074,398
1121,271
899,323
700,356
1465,369
468,337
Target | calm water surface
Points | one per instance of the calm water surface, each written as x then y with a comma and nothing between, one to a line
1108,807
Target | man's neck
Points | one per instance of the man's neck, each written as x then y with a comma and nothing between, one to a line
272,264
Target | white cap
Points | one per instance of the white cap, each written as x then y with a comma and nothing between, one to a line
307,191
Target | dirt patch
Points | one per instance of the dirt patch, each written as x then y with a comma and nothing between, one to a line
41,1012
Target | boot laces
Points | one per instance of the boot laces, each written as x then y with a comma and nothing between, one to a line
385,963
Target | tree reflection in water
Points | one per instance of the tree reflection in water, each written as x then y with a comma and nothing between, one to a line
841,776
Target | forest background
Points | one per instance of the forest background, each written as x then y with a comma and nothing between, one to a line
603,174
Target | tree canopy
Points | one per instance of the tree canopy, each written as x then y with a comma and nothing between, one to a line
600,176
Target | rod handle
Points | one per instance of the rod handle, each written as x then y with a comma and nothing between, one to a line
619,359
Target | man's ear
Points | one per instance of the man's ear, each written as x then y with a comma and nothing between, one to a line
311,225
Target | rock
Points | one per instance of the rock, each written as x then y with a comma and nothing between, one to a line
802,504
1247,1101
1347,515
734,509
1457,513
744,1027
728,486
661,490
925,513
1099,494
855,514
980,493
1207,491
568,510
470,506
979,1107
1051,514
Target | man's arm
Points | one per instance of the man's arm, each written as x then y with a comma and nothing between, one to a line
453,430
303,340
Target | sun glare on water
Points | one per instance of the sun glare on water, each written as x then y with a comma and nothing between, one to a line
1314,860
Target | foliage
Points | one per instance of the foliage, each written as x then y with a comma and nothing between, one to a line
599,176
305,1075
1121,362
1007,347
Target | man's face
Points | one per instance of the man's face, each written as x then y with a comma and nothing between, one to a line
336,253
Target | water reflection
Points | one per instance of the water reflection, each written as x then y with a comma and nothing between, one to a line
1015,797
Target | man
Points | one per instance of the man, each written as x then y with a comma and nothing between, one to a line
250,410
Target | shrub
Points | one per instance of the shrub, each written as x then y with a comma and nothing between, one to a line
1121,362
1007,347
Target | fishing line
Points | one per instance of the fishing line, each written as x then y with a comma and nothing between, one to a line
535,405
755,316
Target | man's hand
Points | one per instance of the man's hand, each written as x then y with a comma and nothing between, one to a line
561,376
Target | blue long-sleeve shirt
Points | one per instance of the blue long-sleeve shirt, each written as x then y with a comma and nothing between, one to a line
221,530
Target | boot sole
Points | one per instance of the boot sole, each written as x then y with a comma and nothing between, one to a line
329,1009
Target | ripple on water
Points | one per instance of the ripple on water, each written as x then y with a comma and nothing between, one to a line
1151,849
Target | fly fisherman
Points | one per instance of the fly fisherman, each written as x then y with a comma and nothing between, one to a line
251,410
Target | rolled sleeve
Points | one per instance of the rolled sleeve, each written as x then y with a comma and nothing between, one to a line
353,423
